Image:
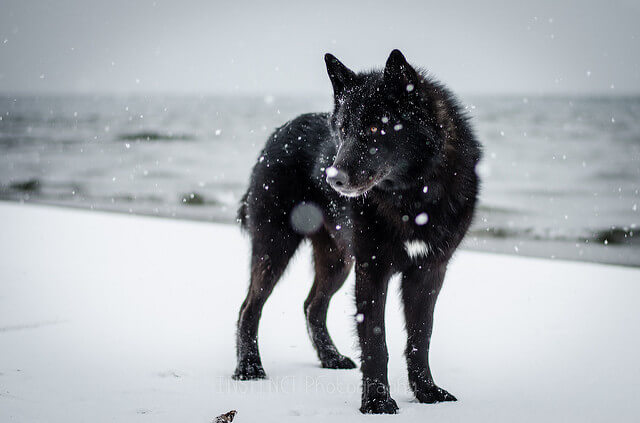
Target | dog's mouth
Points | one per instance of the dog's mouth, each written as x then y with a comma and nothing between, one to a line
363,189
351,192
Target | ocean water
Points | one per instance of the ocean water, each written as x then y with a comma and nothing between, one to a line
561,176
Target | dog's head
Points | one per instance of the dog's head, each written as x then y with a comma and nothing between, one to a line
380,125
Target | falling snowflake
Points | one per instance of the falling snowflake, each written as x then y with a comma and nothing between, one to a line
422,219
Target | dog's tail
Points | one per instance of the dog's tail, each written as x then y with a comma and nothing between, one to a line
241,216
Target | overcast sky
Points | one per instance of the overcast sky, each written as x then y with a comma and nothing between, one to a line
274,46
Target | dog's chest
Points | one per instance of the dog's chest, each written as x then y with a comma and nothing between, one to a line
404,227
412,228
416,249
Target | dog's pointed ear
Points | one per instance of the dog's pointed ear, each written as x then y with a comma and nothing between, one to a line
399,75
340,75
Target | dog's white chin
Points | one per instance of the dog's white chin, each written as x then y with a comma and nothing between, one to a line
356,192
351,193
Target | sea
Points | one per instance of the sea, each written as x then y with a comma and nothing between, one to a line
560,175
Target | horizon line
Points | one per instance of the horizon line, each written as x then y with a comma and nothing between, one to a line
315,94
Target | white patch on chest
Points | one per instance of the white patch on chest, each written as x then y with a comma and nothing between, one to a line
416,248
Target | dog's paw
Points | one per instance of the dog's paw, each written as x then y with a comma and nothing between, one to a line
249,371
382,405
433,394
338,362
376,398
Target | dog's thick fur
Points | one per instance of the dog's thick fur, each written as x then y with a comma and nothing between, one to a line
388,182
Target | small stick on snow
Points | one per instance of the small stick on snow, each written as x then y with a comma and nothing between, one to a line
226,418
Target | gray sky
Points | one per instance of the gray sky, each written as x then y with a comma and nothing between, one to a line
274,47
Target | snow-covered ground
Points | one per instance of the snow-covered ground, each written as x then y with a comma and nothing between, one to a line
107,317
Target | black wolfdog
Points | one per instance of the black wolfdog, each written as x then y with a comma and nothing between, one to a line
387,180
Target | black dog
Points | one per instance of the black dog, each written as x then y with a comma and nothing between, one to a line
387,180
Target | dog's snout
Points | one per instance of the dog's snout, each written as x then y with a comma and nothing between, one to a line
337,178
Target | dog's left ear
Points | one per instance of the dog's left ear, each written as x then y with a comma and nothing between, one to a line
399,75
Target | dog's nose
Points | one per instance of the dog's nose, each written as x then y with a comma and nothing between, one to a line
337,178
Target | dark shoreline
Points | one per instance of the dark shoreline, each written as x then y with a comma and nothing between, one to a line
619,255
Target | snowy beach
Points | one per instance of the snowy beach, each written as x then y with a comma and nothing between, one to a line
109,317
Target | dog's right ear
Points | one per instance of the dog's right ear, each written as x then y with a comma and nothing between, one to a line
340,75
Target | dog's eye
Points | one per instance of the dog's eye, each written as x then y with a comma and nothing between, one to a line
373,129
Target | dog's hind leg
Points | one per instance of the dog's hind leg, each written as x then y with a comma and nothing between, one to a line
270,255
332,266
